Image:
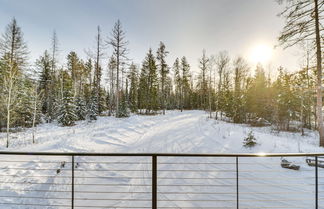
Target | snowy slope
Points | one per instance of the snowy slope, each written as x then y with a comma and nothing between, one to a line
206,182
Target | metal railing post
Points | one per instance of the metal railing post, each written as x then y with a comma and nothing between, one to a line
72,183
237,184
316,182
154,182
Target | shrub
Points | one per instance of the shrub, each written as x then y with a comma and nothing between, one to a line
250,140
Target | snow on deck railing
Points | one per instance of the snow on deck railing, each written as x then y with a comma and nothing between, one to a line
161,180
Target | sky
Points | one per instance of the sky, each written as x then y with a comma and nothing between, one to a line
185,26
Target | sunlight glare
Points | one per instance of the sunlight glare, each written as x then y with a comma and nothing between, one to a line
261,53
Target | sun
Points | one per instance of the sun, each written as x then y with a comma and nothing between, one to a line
261,53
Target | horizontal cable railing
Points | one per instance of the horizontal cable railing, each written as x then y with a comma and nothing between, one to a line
159,180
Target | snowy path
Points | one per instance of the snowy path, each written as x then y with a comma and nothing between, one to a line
206,182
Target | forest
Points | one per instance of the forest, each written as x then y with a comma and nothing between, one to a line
226,86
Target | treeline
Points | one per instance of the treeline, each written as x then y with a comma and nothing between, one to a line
230,88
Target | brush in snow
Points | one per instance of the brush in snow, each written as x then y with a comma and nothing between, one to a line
289,165
62,164
58,171
312,162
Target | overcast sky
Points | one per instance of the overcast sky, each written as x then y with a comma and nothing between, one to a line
185,26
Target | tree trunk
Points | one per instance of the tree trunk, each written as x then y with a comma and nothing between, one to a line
35,113
8,113
319,76
163,93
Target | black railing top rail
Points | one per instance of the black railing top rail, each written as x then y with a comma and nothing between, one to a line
164,154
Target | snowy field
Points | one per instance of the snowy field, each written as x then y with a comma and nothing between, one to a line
101,182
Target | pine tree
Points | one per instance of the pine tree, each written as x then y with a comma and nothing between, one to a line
250,140
152,81
143,89
81,108
92,109
24,111
303,23
74,66
177,83
67,116
88,86
45,84
14,52
67,109
259,102
185,83
148,85
163,69
133,90
123,110
286,100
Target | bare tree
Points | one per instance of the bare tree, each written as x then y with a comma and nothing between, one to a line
222,62
203,63
303,23
211,70
119,44
36,98
54,49
97,72
240,72
112,78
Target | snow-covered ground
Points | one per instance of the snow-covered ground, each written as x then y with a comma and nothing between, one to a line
184,132
182,182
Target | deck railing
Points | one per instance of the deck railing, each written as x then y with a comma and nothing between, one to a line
159,180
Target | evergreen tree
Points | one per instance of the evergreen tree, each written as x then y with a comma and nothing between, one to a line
123,110
149,83
92,109
259,97
303,22
45,84
250,140
163,69
177,83
74,66
287,106
24,112
133,90
67,109
81,108
185,83
13,51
